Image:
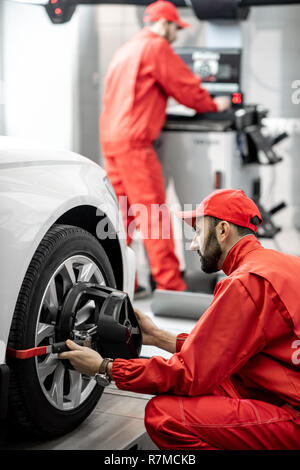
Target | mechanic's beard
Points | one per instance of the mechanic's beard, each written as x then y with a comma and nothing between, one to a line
210,258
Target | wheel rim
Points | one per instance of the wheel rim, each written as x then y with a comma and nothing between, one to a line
65,389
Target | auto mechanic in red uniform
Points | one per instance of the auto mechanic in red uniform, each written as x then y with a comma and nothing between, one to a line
233,382
143,73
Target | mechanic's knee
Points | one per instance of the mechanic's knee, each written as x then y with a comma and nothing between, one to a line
154,414
164,421
151,415
159,411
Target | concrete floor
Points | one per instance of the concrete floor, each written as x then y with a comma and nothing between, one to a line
116,423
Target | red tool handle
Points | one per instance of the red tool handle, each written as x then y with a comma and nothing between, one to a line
40,350
26,353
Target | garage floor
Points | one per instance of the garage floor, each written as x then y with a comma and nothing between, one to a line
117,423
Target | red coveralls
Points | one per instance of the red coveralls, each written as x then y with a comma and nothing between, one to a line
234,382
141,76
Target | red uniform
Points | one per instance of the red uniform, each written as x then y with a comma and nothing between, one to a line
234,381
141,76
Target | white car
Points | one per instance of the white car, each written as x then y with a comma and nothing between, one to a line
59,225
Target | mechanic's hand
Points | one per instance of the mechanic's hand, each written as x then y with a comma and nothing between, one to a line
222,102
83,359
149,329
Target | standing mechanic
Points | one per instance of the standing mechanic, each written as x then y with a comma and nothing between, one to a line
234,381
143,73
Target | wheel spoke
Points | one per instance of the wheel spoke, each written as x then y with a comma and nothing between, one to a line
48,366
51,299
57,389
44,331
75,388
69,272
86,271
68,276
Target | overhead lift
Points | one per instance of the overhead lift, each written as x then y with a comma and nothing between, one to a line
61,11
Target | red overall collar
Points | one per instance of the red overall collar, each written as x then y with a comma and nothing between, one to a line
237,253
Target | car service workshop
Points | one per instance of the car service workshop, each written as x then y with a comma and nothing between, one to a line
149,227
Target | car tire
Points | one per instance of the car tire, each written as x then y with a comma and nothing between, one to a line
38,406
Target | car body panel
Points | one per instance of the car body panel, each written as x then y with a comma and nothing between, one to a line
37,187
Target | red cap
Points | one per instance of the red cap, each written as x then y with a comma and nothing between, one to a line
226,204
163,9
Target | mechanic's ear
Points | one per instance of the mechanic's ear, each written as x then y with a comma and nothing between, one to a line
223,231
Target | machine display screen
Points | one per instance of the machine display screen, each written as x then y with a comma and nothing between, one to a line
224,72
219,68
220,73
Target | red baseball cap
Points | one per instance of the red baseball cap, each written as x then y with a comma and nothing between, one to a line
163,9
226,204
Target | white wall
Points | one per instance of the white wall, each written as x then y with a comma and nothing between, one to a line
39,59
1,72
54,78
271,40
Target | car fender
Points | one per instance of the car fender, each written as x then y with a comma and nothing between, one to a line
33,198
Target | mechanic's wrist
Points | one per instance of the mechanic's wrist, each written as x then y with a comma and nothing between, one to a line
165,340
218,105
109,369
97,366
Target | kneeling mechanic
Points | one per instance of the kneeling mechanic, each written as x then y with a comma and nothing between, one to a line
233,382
